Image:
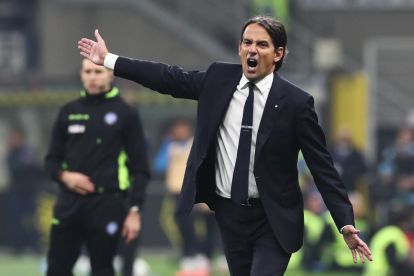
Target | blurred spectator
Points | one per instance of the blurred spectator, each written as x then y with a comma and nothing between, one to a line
396,169
348,160
314,226
391,246
172,157
25,177
309,256
336,256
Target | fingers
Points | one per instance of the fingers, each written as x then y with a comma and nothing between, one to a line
84,47
130,235
83,187
98,36
354,255
124,231
361,256
85,55
86,186
95,51
130,230
86,41
360,249
79,190
365,251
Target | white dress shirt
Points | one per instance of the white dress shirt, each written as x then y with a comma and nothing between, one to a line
229,133
109,61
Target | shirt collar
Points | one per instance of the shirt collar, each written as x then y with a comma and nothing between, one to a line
262,85
112,93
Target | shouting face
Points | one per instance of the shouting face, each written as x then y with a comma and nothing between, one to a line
257,53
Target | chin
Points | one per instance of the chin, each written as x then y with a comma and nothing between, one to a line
251,76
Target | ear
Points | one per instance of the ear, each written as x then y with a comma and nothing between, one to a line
279,53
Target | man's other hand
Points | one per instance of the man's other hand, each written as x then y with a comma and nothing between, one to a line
95,51
355,244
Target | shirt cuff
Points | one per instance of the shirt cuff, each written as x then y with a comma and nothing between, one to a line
343,228
110,60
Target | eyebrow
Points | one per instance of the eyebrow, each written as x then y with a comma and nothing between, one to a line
257,41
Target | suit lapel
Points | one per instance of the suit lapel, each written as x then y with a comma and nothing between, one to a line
222,99
273,107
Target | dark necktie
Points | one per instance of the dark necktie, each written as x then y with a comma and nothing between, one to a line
240,183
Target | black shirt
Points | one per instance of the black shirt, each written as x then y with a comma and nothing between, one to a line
101,136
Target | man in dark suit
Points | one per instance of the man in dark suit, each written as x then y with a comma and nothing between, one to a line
251,124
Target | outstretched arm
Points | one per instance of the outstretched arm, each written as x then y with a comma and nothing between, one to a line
95,51
166,79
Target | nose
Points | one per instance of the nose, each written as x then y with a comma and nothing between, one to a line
92,76
252,50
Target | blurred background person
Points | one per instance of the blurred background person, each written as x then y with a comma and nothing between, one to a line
196,248
26,176
396,169
348,160
395,174
98,156
309,256
314,227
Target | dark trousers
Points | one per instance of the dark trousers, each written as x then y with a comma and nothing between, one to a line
208,242
95,220
21,221
192,243
249,243
128,253
185,225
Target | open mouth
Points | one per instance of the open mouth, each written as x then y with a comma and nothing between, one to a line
252,63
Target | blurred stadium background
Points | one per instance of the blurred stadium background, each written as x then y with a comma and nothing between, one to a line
356,57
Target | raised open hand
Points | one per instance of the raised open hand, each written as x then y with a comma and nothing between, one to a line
95,51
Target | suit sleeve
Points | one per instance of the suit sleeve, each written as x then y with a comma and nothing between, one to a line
166,79
56,153
313,145
136,150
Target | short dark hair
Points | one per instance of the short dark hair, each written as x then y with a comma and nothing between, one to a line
276,31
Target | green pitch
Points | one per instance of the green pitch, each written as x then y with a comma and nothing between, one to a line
160,265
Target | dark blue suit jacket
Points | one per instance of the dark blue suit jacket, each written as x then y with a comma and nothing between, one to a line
289,124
